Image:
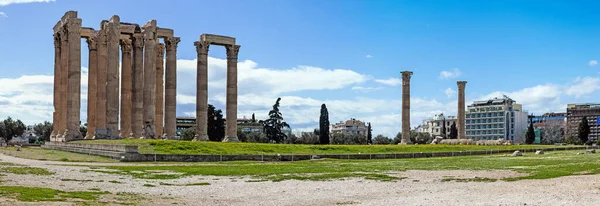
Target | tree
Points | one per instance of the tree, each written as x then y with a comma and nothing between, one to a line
12,128
530,135
43,130
253,119
188,133
308,138
380,139
324,125
583,130
369,135
83,129
420,137
215,124
274,124
398,138
444,128
453,131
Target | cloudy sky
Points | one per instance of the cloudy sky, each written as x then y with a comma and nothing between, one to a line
346,54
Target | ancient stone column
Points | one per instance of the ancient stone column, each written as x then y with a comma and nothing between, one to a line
149,31
74,81
160,74
171,87
137,120
231,101
57,76
101,85
126,87
202,91
112,82
461,109
92,86
406,107
64,76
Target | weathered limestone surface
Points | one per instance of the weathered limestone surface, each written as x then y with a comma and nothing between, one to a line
64,70
171,87
217,39
160,73
126,87
74,81
112,82
101,83
149,32
406,107
56,96
92,86
137,120
231,101
461,109
202,91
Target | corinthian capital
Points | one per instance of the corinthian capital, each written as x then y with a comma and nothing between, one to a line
138,40
160,50
232,51
92,43
125,45
56,40
171,43
202,47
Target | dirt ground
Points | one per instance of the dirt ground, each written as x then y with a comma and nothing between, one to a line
418,188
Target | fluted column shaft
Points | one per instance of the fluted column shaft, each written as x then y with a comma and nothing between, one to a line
231,101
101,81
92,86
406,107
160,89
202,91
112,82
149,80
56,92
64,76
126,87
171,87
74,81
461,109
137,120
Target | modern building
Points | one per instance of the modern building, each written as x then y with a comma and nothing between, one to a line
349,127
182,123
434,126
496,119
575,112
244,124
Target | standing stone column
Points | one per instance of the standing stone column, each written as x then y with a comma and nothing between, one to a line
231,101
92,86
126,87
171,87
160,74
101,85
57,76
137,120
149,31
74,81
406,107
202,91
112,82
64,76
461,109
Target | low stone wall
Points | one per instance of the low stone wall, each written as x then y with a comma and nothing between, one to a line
130,154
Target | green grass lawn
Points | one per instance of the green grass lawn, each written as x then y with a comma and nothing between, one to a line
549,165
224,148
54,155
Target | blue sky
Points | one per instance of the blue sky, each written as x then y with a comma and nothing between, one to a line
346,54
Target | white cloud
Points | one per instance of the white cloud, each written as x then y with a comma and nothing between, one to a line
583,86
2,14
450,74
450,92
369,56
391,81
593,63
9,2
366,89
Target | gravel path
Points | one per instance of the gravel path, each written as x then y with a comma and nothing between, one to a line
419,188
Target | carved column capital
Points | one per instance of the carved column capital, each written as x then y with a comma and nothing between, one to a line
160,50
138,40
202,47
232,51
63,33
92,43
406,77
56,40
125,45
461,84
102,37
171,43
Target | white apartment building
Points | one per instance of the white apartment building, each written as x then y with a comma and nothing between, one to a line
349,127
495,119
434,126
